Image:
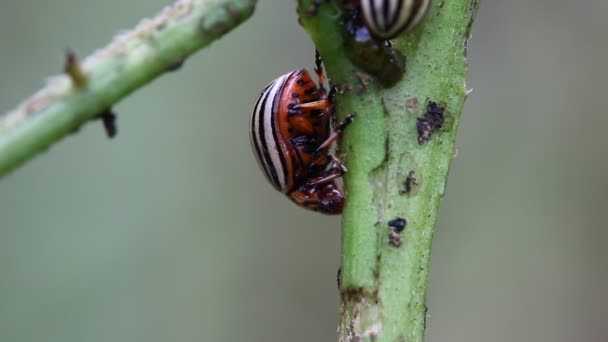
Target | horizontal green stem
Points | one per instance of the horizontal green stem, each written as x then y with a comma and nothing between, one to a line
130,61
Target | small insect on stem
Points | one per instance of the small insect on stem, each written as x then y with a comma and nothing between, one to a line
409,182
74,69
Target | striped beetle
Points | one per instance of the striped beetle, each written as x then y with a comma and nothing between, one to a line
290,136
386,19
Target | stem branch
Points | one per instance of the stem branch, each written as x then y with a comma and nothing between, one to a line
90,88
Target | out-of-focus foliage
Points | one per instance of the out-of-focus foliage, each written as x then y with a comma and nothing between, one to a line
170,232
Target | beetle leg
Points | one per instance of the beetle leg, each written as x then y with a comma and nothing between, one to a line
334,135
335,166
321,104
336,163
327,178
323,197
336,171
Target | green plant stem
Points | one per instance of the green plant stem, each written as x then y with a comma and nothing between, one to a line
130,61
383,286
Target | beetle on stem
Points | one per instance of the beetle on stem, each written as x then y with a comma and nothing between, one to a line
291,134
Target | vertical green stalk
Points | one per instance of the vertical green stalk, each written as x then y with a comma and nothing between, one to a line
384,282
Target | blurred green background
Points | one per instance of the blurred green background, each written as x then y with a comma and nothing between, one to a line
171,233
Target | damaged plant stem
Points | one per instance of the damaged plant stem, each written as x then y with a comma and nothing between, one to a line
398,152
89,88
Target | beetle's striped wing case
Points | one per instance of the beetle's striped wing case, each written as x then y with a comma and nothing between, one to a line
264,134
290,134
387,19
289,122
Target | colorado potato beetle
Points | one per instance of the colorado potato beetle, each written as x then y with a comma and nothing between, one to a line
290,136
385,19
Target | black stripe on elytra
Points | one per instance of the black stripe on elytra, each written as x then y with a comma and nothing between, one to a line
395,19
414,13
385,8
256,134
374,15
276,133
270,169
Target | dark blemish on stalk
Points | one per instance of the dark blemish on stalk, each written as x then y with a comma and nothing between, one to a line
432,120
175,66
387,145
424,131
381,61
409,182
396,226
108,118
376,273
384,107
357,294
